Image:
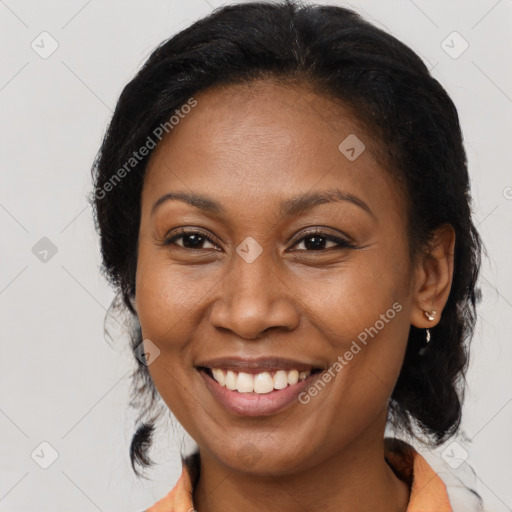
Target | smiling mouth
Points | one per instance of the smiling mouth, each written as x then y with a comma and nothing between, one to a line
257,383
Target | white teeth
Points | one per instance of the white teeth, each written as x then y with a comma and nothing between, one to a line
245,383
260,383
263,383
280,379
218,375
230,380
293,377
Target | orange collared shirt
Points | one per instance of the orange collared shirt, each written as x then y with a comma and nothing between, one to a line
428,491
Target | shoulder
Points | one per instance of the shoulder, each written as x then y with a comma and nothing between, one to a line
460,481
432,480
179,499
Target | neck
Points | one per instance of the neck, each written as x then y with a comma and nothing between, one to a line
356,478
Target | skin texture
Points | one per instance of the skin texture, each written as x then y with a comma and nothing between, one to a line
249,148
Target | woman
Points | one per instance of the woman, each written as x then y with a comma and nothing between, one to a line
283,203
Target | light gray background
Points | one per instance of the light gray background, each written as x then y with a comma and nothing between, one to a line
60,381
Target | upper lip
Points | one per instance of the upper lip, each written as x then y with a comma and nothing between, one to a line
256,365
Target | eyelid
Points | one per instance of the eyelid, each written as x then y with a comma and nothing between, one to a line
321,231
342,241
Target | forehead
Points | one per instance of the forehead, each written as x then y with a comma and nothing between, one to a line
261,142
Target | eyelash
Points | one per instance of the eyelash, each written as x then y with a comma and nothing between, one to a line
342,243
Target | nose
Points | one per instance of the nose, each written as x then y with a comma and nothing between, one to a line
253,298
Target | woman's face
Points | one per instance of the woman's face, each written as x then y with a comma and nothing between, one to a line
266,296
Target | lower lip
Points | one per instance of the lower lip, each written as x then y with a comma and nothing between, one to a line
255,404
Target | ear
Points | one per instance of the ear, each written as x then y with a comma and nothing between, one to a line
433,277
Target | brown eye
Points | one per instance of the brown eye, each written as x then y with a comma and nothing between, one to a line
190,240
317,241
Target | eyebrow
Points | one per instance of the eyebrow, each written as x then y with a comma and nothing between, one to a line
293,206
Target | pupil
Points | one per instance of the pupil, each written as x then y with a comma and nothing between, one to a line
320,242
197,238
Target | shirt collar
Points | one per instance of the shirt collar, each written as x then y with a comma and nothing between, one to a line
428,491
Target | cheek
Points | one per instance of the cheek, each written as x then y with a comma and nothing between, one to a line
364,295
170,301
166,309
363,313
168,297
